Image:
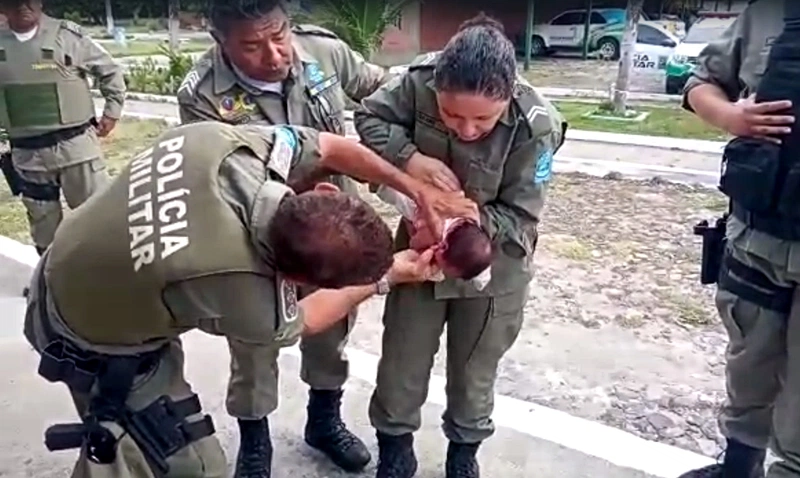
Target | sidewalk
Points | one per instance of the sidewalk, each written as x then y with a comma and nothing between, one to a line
147,105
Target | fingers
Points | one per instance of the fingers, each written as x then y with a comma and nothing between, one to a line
446,180
769,106
426,257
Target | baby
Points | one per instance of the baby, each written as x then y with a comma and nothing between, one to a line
465,250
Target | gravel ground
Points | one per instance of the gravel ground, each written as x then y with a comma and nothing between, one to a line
618,328
590,74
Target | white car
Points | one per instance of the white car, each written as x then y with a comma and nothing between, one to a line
684,58
606,28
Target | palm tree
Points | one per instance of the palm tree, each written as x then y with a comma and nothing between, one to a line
360,23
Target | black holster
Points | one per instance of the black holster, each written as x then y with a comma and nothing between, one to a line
12,176
714,242
159,430
21,187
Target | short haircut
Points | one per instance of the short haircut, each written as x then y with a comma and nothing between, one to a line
330,240
223,15
478,59
469,249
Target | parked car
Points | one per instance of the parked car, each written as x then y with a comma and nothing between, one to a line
565,33
684,59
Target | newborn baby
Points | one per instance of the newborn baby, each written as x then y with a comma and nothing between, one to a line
465,250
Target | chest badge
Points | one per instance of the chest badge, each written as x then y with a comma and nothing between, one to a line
231,107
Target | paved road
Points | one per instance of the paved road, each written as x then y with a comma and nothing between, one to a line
586,156
28,404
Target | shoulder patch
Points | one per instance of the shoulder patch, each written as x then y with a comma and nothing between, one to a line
544,167
427,60
308,29
288,300
73,27
284,147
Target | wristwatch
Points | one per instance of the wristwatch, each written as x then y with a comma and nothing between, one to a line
383,286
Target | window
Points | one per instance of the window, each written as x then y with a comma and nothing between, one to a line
598,19
648,35
569,19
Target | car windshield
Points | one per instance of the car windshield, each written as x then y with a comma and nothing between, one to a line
705,33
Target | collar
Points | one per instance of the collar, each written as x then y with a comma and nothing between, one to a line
507,118
265,205
226,78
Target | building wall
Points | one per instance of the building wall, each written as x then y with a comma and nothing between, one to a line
401,43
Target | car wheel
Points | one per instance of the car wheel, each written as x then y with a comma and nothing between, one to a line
608,49
673,87
538,47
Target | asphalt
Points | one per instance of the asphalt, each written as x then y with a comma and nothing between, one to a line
28,404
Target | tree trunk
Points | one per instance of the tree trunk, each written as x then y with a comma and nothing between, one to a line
174,25
109,18
628,46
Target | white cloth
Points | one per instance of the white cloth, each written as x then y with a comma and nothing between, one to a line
406,207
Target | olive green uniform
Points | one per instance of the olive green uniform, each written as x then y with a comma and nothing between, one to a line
506,174
46,107
326,73
763,377
140,264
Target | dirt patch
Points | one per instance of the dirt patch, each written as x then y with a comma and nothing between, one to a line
590,74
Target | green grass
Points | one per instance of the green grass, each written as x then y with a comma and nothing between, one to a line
142,47
662,121
129,137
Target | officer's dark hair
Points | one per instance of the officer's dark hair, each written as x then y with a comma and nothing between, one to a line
330,239
223,15
478,59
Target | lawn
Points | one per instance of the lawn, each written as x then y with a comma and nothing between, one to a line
129,137
151,47
662,121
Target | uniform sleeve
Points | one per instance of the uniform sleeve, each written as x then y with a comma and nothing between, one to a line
108,74
245,309
359,78
512,218
385,120
719,63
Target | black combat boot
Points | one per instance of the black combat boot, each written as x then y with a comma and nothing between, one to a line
462,460
741,461
326,431
255,450
396,457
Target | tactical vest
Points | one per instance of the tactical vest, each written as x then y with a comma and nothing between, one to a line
40,89
162,220
762,179
481,176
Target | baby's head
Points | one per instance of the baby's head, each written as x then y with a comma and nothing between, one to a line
466,250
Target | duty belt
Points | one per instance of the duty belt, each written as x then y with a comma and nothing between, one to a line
780,227
51,139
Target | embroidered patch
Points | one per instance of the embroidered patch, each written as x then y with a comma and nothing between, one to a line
323,85
233,106
289,301
283,150
314,73
544,167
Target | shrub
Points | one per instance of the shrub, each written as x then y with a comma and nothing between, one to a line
148,76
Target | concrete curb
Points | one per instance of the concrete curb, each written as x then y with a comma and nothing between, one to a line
658,142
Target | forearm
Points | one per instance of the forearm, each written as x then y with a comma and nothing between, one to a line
391,141
325,307
352,159
711,104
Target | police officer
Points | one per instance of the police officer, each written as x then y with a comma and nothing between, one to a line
742,85
199,231
459,118
263,69
48,112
